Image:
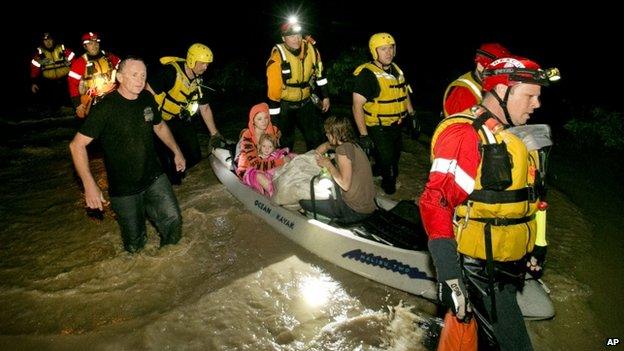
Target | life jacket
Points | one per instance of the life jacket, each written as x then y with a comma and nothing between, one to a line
467,80
298,71
99,76
54,64
391,104
497,221
183,96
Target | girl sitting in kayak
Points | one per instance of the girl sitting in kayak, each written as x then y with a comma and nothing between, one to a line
352,173
254,169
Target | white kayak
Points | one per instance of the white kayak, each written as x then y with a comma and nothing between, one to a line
353,249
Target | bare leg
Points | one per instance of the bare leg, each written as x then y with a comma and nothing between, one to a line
265,182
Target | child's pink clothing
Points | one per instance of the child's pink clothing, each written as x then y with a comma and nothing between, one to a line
250,176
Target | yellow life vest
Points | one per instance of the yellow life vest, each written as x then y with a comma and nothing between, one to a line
183,96
98,78
54,65
509,213
468,81
297,71
391,104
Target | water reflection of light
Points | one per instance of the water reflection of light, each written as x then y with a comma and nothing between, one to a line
316,290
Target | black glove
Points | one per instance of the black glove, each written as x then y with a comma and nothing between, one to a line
185,116
366,143
451,288
413,126
217,141
536,260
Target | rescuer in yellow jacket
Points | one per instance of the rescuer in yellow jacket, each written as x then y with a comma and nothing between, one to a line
381,103
479,205
295,83
48,72
179,91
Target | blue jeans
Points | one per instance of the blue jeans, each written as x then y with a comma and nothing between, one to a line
159,205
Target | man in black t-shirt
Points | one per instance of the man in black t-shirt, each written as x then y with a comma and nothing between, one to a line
125,122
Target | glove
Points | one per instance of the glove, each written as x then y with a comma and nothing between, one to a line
536,260
366,143
451,288
185,116
452,294
217,141
414,126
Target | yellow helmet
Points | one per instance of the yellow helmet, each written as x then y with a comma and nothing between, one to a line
198,52
377,40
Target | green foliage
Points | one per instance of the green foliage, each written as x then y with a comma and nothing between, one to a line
340,71
598,127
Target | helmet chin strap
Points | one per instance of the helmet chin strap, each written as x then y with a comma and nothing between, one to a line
503,105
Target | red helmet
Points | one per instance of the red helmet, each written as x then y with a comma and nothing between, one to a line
513,70
90,36
489,52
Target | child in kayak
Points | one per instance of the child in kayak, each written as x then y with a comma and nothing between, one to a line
255,165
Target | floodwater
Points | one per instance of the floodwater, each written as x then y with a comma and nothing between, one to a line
232,283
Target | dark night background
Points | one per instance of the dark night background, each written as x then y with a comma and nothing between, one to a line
433,46
436,43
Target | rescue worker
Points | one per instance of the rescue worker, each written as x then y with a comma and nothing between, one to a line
179,91
381,103
48,71
92,75
462,94
465,91
294,74
479,204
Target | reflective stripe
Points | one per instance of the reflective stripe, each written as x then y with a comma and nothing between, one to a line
281,51
285,71
442,165
275,111
321,82
475,89
75,75
488,134
71,56
35,63
384,75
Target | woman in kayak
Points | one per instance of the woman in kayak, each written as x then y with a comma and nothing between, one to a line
352,173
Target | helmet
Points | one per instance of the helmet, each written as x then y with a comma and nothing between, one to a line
90,36
290,28
46,35
198,52
513,70
377,40
489,52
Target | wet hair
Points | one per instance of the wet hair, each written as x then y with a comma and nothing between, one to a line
123,62
340,128
268,137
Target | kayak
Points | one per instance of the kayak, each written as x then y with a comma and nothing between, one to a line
389,247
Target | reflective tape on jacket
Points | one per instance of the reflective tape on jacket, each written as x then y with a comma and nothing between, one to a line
513,226
467,80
